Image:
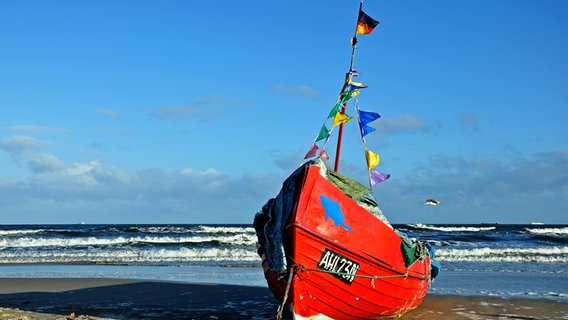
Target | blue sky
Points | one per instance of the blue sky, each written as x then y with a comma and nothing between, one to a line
194,112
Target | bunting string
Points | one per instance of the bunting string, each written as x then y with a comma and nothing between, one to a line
364,118
351,89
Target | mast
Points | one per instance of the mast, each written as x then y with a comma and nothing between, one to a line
348,76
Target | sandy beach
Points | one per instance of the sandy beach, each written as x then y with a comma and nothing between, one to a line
42,299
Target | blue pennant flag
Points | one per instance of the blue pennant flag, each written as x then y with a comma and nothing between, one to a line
365,130
366,117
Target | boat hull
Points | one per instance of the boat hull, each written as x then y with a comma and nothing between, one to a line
345,262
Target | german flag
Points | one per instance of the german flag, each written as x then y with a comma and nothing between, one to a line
365,24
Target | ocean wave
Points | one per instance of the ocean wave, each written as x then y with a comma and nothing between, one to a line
199,229
29,242
536,254
11,233
452,228
184,254
161,229
223,229
548,231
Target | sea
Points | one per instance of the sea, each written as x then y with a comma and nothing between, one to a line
504,260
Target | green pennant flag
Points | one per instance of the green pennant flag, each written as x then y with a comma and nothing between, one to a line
334,110
324,133
349,94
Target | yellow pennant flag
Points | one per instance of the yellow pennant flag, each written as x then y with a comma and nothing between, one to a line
340,118
346,95
372,159
357,85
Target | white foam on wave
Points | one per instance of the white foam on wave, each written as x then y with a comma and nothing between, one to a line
548,231
186,229
29,242
222,229
4,233
534,254
164,229
556,294
125,256
451,229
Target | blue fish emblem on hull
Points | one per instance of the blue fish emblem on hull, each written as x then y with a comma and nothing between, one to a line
333,211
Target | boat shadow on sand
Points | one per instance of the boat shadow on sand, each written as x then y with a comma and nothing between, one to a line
145,300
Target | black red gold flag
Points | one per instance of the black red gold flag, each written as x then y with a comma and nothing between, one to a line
365,24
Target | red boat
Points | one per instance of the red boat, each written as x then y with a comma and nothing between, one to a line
346,264
327,250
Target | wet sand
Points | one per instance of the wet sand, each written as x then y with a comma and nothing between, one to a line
42,299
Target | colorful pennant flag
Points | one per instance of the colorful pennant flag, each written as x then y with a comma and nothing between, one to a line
365,24
356,85
354,72
349,94
335,110
340,118
366,117
324,132
372,159
312,152
377,177
365,129
323,155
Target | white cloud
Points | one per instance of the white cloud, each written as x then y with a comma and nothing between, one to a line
26,151
115,132
400,124
175,113
300,91
17,145
205,109
95,192
107,113
41,162
469,120
29,129
473,190
478,190
201,173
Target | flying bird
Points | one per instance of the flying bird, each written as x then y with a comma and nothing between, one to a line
432,202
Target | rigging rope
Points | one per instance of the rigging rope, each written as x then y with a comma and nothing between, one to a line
345,274
281,307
